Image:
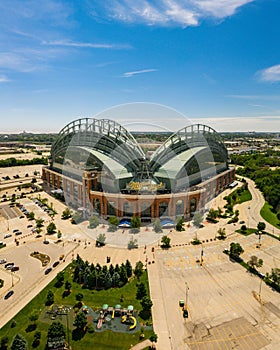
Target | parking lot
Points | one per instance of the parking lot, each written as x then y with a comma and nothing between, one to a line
225,310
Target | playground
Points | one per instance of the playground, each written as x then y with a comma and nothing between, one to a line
116,319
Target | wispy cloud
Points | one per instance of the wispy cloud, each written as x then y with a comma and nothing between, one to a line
170,12
256,97
270,74
4,79
131,74
68,43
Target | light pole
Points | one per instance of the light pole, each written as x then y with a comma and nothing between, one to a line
248,216
187,292
260,290
201,255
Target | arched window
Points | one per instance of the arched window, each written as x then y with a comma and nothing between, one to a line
179,207
163,209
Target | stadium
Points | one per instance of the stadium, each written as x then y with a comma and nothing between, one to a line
99,167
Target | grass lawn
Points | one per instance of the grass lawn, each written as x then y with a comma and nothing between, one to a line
269,216
248,231
244,197
98,340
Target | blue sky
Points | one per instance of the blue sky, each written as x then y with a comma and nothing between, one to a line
215,61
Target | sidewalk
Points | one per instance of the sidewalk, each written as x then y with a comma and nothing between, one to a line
144,344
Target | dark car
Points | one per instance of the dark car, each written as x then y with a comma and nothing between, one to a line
46,242
15,230
55,263
14,268
18,233
30,225
10,293
48,270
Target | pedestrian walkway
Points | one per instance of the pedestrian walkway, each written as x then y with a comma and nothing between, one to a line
144,344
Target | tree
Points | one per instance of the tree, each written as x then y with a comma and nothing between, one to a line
141,291
100,239
221,233
80,321
129,269
59,279
4,343
51,228
138,271
157,226
180,224
235,250
77,218
165,242
197,219
146,303
255,262
275,276
68,286
123,275
79,297
243,228
59,234
135,222
133,243
50,298
153,339
19,343
1,283
66,214
39,223
212,214
113,223
93,221
56,330
31,216
261,226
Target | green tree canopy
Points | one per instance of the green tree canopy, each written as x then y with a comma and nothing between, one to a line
19,343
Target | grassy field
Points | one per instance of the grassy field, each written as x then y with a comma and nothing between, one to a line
269,216
248,231
103,340
244,197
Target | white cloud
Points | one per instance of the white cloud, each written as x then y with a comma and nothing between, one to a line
4,79
68,43
131,74
220,8
170,12
271,74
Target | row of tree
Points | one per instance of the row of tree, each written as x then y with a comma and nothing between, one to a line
4,163
101,277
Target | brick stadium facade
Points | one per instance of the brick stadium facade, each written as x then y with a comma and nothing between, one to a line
106,172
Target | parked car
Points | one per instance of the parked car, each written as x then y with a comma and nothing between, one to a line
15,268
15,230
48,270
30,225
7,235
10,293
55,263
8,266
1,242
3,261
46,242
18,233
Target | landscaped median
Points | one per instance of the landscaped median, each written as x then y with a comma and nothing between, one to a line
90,307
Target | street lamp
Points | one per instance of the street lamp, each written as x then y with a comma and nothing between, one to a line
187,292
201,255
248,216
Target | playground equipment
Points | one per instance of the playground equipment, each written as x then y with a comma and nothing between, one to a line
113,314
100,321
134,323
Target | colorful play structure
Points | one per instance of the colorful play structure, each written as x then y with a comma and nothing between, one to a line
106,314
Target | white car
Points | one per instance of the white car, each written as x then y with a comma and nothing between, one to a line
3,261
7,235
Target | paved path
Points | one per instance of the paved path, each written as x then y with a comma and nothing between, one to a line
144,344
